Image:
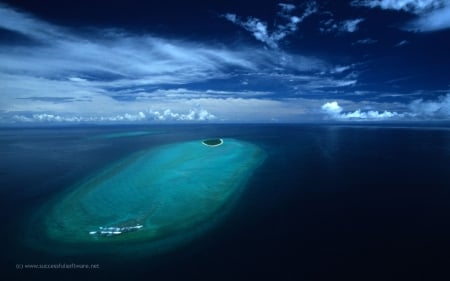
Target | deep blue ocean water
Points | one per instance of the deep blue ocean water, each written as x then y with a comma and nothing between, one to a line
330,202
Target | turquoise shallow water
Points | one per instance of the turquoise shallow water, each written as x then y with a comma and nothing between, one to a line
153,195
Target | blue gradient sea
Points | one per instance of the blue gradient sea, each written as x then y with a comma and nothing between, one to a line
330,202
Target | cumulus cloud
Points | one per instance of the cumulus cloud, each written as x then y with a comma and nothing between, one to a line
152,115
439,108
416,110
332,108
55,118
271,38
432,15
68,118
193,115
335,111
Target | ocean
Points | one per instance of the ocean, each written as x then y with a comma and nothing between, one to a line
329,202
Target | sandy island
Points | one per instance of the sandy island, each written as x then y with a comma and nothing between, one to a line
213,142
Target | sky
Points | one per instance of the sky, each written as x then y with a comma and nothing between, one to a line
224,61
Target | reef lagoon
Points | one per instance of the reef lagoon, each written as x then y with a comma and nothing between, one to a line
260,202
151,196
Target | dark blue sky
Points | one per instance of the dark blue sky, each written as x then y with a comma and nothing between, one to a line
224,61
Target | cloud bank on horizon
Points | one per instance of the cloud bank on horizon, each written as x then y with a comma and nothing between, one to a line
417,110
51,73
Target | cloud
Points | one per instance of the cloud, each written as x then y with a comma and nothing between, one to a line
335,111
260,29
285,8
332,83
439,108
26,25
346,26
431,15
432,21
419,109
107,75
152,115
55,118
332,108
194,94
413,6
366,41
76,79
370,115
402,43
193,115
341,68
351,25
61,53
232,109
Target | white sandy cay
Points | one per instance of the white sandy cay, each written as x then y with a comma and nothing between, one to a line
220,143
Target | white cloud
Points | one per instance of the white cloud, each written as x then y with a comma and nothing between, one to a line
330,83
286,7
152,115
329,25
341,68
193,115
219,110
413,6
27,25
370,115
118,56
260,29
402,43
45,117
416,110
351,25
332,108
232,17
366,41
261,110
432,21
437,108
76,79
346,26
53,118
335,111
183,93
432,15
68,76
